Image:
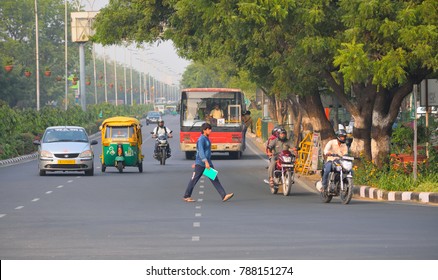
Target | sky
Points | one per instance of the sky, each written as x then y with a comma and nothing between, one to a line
159,60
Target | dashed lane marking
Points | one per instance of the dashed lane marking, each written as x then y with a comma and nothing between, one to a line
198,206
49,192
35,199
69,181
196,224
200,200
201,192
196,238
60,186
19,207
198,214
2,215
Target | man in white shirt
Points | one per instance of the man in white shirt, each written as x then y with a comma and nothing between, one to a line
159,130
333,149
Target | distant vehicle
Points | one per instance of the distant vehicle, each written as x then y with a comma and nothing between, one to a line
65,148
152,117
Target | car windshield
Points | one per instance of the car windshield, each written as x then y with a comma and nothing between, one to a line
153,114
65,135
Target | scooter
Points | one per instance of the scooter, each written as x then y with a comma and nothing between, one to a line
163,147
340,181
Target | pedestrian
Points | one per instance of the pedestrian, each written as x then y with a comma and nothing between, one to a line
202,161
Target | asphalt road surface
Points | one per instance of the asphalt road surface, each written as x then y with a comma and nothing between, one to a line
134,215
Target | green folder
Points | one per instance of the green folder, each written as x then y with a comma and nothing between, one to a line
210,173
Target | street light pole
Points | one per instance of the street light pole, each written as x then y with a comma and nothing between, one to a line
65,54
37,74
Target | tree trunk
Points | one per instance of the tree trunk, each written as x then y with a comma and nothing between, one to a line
385,112
312,104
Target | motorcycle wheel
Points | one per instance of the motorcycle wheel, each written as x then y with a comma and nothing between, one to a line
163,157
287,184
325,197
347,194
120,166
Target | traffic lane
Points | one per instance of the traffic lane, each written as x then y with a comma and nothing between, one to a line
110,216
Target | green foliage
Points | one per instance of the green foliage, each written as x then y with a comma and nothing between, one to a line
21,126
396,177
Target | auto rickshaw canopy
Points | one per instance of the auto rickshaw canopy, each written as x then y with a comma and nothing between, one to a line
120,121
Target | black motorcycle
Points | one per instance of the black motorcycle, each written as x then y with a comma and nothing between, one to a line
162,151
340,181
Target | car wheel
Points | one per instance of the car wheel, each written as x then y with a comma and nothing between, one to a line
89,172
42,173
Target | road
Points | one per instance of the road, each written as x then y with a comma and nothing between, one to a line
136,215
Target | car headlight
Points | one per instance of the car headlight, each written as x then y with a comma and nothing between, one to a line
46,154
86,154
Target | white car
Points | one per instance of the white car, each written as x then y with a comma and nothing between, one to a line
65,148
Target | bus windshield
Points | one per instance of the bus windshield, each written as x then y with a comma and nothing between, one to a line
221,109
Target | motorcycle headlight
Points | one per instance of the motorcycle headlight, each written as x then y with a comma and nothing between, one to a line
287,159
46,154
338,168
86,154
162,141
347,165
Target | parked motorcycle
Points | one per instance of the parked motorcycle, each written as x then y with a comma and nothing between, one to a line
284,172
340,181
163,147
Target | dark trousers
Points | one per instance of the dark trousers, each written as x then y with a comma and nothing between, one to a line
195,178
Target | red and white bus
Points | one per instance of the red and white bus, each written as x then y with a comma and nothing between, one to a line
195,108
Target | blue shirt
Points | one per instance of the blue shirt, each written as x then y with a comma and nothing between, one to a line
203,151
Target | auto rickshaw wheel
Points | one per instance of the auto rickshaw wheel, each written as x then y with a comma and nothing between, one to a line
120,166
140,167
103,167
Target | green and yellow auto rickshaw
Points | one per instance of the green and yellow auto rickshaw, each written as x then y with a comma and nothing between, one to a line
121,143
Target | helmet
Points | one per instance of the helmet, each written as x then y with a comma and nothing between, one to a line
341,133
275,131
280,131
160,123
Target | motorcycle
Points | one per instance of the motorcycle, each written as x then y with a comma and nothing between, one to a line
162,152
340,181
284,172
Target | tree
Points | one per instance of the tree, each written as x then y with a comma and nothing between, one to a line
369,53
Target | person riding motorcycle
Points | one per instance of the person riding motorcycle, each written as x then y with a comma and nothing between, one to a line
159,130
275,146
333,149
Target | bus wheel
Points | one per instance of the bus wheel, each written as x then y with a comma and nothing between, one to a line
235,155
190,155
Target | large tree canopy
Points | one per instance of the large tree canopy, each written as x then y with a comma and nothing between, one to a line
368,52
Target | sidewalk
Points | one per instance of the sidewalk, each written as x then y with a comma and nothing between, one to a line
364,192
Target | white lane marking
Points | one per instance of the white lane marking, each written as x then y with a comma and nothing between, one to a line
19,207
201,192
35,199
198,207
60,186
78,177
201,186
200,200
69,181
2,215
196,224
198,215
196,238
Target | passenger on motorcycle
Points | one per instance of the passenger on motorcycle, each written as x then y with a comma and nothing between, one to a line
159,130
275,146
333,147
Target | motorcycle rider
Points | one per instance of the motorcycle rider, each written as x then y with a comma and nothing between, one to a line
159,130
333,147
275,146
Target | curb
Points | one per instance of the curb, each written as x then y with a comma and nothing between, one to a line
374,193
9,161
371,192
